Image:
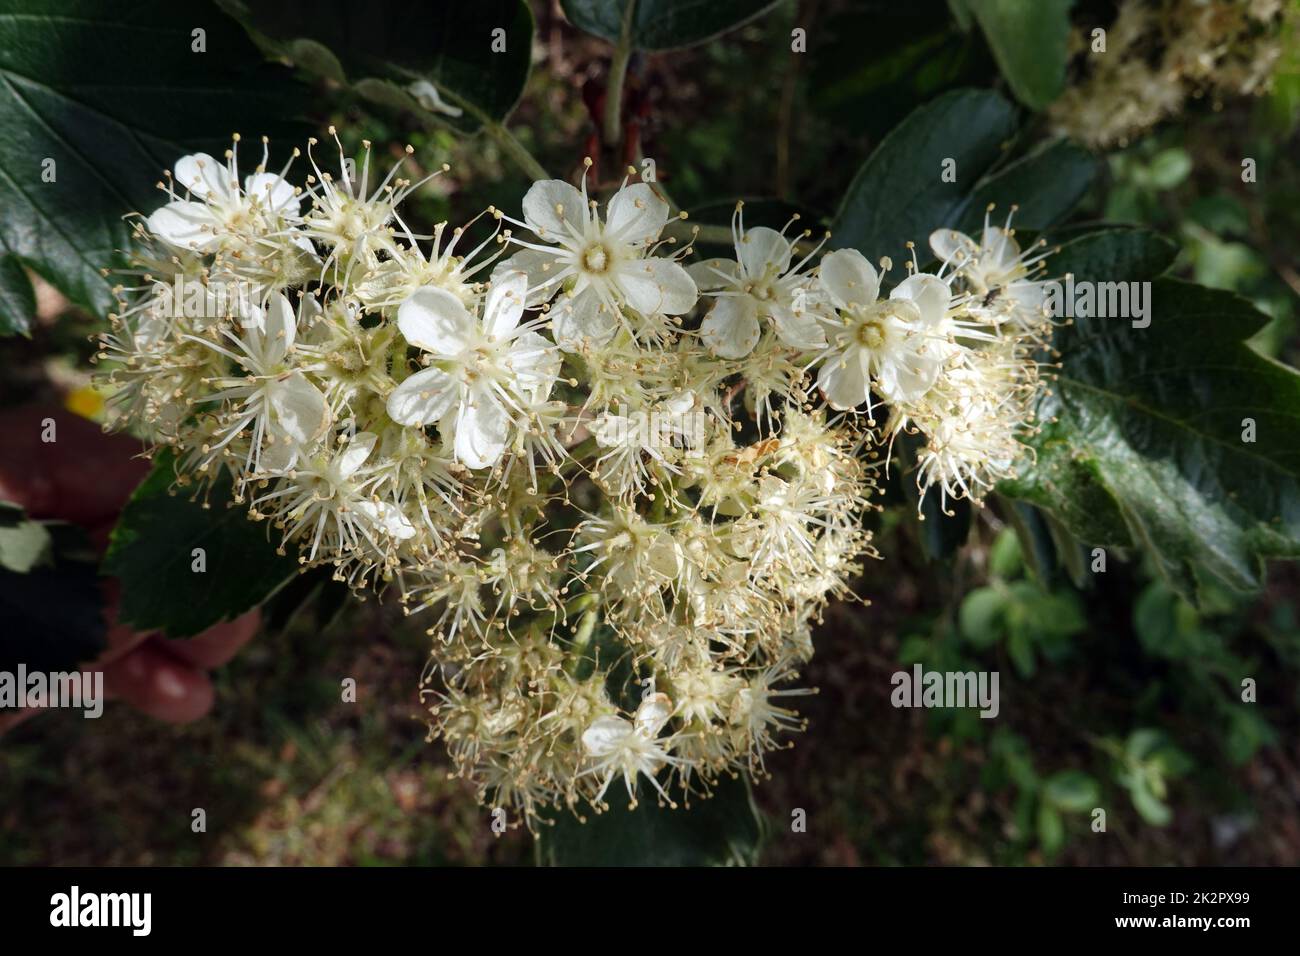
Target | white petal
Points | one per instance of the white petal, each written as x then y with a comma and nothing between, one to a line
541,269
580,319
762,250
204,176
549,204
849,278
273,192
999,248
605,735
300,409
425,397
635,215
653,714
653,286
356,452
843,380
731,328
664,556
435,320
536,364
505,304
482,429
713,274
386,516
949,245
910,380
279,327
799,330
931,296
186,225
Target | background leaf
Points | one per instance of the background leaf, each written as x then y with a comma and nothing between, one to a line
151,553
663,24
1030,41
113,96
722,830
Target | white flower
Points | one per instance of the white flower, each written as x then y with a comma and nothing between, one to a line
486,374
1000,278
628,748
760,284
288,414
326,499
638,438
218,207
889,345
604,267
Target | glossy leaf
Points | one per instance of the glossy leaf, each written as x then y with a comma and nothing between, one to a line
95,101
1143,435
17,298
152,554
900,195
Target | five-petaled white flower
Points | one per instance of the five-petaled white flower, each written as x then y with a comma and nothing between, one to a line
603,267
760,283
1005,283
626,748
891,345
287,412
486,374
218,207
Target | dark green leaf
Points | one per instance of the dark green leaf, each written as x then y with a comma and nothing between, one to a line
663,24
1029,39
1142,441
1044,186
152,554
899,193
17,298
112,96
878,59
723,830
449,44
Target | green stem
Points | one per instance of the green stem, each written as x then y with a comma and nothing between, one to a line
617,74
511,146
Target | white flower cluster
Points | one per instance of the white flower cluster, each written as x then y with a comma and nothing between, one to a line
605,477
1161,52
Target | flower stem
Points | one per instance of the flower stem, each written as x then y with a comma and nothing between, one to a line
516,150
617,74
